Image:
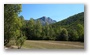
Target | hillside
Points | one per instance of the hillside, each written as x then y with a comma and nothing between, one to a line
71,21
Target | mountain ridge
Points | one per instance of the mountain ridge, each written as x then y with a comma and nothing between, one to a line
44,20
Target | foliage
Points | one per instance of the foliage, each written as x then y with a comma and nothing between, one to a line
38,29
80,31
70,29
10,21
20,40
73,35
64,35
13,25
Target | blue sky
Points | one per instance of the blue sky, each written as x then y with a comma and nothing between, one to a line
55,11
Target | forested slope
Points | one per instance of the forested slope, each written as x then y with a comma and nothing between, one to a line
74,25
71,21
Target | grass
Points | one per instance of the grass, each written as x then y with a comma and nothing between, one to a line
40,44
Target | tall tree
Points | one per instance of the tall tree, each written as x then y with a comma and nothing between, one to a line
57,32
47,33
80,30
11,12
20,37
52,33
31,29
73,35
64,34
38,28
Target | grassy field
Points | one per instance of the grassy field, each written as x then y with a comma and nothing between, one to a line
40,44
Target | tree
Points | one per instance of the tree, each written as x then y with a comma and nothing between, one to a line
31,29
22,20
52,33
23,28
13,24
43,34
20,33
80,30
20,40
47,33
64,34
38,29
57,31
73,35
11,12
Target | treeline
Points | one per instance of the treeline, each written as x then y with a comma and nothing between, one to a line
35,31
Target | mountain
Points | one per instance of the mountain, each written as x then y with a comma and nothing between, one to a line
45,19
71,22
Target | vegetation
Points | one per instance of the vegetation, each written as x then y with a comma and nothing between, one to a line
70,29
13,25
17,29
74,26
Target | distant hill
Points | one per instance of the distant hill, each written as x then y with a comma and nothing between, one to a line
45,19
71,21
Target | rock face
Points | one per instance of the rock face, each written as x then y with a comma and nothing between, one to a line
45,19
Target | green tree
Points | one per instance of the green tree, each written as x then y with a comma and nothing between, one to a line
22,20
51,34
20,40
57,32
80,30
31,29
20,34
73,35
43,33
47,33
23,27
38,29
11,12
64,34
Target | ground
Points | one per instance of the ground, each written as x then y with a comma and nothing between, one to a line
41,44
37,44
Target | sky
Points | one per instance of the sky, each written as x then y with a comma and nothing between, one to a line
56,12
